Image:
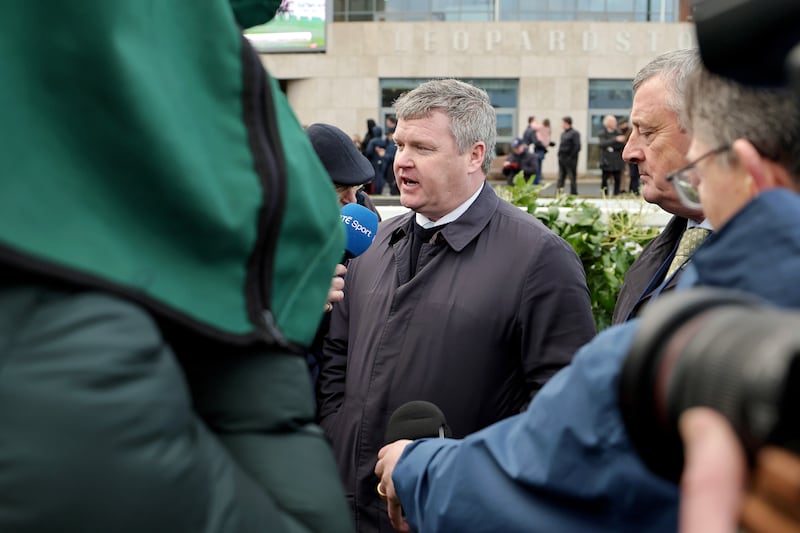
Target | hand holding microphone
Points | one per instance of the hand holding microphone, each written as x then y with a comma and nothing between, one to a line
336,292
413,420
361,226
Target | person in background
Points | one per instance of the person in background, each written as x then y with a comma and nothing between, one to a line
534,143
612,141
347,168
368,135
529,135
566,463
465,301
657,146
568,151
631,174
388,156
383,156
545,136
390,123
349,171
520,160
356,141
375,152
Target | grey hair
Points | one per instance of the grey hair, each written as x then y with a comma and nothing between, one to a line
674,68
719,111
472,117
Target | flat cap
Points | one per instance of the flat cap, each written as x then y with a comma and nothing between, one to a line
345,164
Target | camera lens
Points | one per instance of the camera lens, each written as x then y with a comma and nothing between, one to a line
714,348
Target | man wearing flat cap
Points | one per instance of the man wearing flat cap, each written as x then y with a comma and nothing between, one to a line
348,168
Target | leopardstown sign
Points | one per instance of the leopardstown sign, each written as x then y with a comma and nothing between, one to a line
441,40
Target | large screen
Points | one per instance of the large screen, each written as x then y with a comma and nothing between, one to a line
298,26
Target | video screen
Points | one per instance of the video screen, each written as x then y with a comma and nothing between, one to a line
298,26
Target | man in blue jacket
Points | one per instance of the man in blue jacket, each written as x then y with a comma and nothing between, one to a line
567,463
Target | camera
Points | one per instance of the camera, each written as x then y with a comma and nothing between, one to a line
755,42
717,348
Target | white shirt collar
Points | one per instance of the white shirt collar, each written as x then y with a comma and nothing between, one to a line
426,223
705,224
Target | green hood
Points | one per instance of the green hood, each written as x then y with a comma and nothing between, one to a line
146,152
250,13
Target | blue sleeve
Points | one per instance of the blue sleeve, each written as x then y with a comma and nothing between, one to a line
565,464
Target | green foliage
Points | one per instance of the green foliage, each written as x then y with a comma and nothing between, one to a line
606,247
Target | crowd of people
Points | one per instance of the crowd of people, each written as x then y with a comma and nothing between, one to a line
187,348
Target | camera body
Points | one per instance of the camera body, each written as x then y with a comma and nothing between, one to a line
754,42
717,348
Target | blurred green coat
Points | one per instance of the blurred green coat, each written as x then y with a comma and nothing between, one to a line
157,197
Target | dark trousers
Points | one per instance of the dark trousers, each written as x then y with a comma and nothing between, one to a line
568,168
616,175
633,169
540,156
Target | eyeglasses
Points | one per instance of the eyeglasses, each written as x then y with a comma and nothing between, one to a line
343,189
686,180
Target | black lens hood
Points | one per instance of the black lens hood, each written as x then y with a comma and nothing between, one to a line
642,403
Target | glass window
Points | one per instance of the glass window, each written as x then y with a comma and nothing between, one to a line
505,127
562,5
592,5
620,5
610,93
508,10
503,95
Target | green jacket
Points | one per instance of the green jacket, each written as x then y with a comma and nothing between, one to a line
147,152
151,169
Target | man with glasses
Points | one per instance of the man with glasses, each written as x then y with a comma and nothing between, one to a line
746,173
567,464
657,146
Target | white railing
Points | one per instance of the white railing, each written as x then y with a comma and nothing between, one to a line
652,215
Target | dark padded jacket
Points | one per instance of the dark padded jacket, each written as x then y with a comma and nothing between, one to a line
167,239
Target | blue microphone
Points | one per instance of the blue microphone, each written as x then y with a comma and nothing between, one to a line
361,226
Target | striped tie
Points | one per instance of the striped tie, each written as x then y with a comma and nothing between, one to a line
691,239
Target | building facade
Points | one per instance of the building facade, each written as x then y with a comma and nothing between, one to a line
545,68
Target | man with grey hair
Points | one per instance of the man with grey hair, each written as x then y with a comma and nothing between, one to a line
612,141
568,463
465,301
657,145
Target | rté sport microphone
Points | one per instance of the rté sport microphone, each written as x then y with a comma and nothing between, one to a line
416,420
361,226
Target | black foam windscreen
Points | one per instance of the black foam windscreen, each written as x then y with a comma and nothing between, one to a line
415,420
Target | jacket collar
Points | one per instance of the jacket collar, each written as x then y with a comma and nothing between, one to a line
460,232
758,250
